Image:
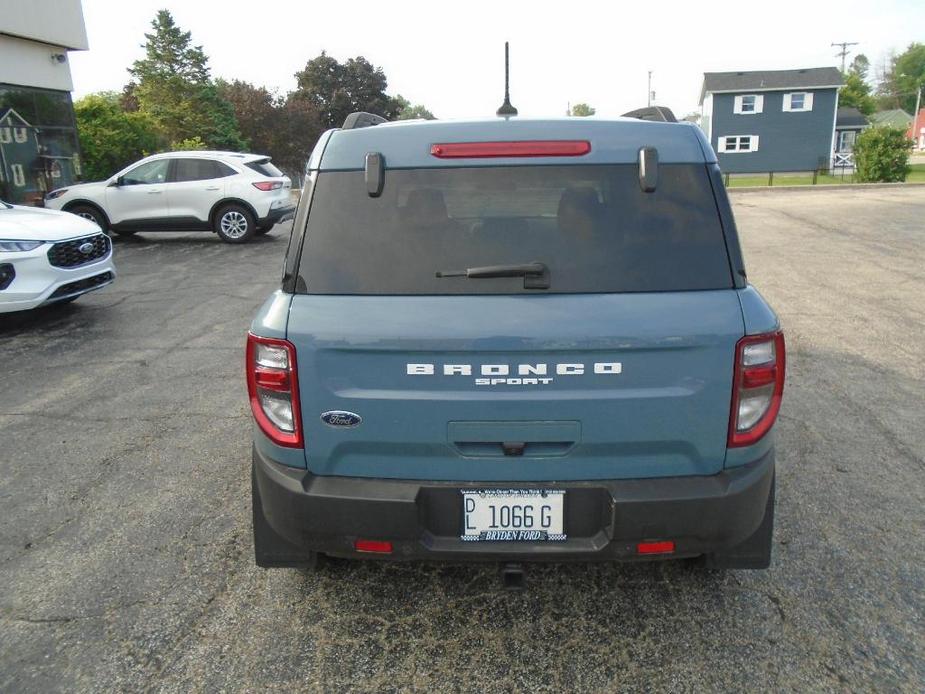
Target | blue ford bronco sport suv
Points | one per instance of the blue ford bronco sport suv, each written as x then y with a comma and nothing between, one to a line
513,340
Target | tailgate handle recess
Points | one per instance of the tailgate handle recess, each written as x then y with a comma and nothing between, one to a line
513,448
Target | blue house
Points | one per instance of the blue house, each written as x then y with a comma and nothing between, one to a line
771,120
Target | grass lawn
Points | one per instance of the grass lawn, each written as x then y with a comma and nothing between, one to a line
916,175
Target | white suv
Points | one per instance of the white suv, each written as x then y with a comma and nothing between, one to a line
49,257
234,195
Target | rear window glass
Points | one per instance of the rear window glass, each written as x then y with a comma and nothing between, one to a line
592,226
264,167
200,170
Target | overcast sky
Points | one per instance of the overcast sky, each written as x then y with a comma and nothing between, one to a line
449,56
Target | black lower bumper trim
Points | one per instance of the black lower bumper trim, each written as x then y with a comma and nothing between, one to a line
423,520
280,214
81,286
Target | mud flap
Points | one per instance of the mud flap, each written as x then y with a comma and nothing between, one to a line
754,552
270,549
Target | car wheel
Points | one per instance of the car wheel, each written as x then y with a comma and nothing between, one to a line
91,213
234,224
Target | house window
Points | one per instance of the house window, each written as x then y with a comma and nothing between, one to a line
737,143
748,103
846,140
5,136
798,101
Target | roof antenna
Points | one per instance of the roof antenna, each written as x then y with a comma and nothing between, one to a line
506,109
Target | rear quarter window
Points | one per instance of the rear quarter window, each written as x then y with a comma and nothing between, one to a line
592,226
264,167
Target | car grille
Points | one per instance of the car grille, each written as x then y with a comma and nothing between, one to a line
68,253
81,285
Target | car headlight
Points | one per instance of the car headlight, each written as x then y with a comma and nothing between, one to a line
56,194
13,246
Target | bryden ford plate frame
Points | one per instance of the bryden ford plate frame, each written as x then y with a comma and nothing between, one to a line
532,515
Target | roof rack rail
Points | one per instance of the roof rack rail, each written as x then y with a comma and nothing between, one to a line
660,114
361,119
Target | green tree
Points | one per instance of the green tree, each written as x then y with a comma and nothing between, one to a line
190,144
860,66
298,127
903,78
338,89
111,138
172,84
882,155
856,92
582,110
409,111
284,128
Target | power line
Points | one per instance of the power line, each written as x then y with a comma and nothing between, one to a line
844,51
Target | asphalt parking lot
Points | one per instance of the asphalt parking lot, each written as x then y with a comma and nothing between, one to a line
125,530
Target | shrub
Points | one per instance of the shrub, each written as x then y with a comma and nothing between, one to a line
881,155
111,138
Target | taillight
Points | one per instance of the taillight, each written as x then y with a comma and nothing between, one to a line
267,185
273,388
522,148
757,388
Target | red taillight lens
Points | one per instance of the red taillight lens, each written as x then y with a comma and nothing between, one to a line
534,148
273,389
658,547
377,546
757,388
268,185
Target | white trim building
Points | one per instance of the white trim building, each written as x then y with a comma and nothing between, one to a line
36,37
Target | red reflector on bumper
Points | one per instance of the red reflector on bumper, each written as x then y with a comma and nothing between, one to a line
662,547
377,546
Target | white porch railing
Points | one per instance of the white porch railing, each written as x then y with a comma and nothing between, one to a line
843,160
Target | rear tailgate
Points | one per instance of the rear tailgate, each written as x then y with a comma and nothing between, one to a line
634,385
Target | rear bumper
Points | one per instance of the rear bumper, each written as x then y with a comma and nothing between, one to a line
277,215
603,519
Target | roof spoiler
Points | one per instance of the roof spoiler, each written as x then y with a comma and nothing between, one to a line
361,119
660,114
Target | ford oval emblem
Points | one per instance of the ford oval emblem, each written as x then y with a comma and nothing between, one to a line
85,248
339,418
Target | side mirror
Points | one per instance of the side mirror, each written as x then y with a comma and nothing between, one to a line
117,182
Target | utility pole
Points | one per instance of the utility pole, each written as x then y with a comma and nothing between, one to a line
649,94
844,51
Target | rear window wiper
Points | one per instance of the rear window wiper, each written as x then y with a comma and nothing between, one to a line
536,275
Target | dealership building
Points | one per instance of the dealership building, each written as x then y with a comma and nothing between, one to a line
39,150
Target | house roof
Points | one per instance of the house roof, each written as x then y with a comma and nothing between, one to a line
9,110
769,80
894,117
849,117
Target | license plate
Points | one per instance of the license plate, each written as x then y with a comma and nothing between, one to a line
513,515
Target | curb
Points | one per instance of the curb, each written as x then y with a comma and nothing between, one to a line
823,187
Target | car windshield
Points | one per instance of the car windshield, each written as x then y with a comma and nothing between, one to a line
489,230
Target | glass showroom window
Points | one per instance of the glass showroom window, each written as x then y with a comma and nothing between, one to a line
38,143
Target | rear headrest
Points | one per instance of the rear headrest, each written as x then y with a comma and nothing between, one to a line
425,206
579,200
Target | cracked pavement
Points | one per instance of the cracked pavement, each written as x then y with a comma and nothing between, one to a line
125,551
